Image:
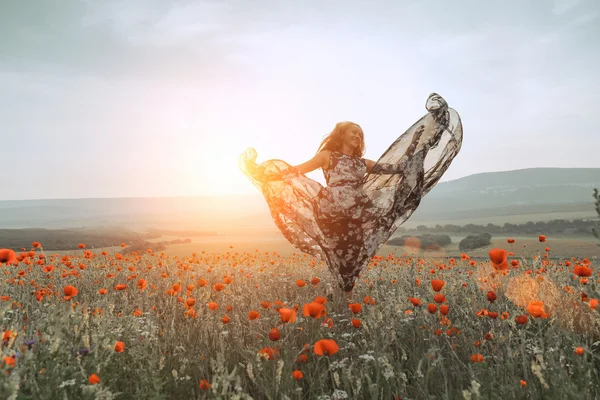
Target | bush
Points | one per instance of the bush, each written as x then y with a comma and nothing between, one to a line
425,242
473,242
597,204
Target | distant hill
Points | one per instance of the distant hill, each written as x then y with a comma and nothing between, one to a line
176,213
519,192
522,191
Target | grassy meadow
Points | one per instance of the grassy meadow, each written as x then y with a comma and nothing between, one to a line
94,324
565,247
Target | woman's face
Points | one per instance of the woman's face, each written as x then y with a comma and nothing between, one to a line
352,136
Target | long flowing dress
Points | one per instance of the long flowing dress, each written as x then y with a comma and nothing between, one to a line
347,221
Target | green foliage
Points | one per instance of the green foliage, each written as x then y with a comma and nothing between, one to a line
562,226
425,242
473,242
597,204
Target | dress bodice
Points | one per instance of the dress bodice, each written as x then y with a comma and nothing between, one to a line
344,169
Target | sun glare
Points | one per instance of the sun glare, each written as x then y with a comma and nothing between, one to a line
218,174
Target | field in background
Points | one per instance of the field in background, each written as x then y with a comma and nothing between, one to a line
563,248
269,241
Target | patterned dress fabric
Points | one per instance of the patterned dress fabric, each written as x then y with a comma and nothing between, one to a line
347,221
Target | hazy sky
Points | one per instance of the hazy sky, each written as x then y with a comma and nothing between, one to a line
143,98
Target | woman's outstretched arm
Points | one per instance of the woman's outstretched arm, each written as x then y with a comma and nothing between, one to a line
319,161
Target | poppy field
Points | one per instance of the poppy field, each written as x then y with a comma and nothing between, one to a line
241,325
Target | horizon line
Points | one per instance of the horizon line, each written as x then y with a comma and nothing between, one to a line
260,194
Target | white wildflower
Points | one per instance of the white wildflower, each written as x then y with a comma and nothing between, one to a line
86,341
336,378
418,372
280,364
473,391
540,358
70,382
55,345
537,371
367,357
388,373
403,377
388,368
250,372
404,356
339,395
350,345
339,364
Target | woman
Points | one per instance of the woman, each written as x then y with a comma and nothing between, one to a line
365,201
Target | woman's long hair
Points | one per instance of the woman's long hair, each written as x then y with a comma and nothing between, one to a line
333,141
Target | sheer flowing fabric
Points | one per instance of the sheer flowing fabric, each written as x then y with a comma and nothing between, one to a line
347,221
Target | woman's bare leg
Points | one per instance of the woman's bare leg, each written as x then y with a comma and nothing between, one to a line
349,295
342,295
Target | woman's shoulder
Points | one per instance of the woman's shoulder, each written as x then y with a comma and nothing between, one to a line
326,156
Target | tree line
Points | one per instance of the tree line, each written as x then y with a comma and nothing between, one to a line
569,227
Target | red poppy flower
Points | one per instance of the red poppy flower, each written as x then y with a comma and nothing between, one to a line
274,334
439,298
204,385
326,347
297,374
8,256
70,291
269,352
581,270
521,319
536,309
287,315
542,238
415,302
355,307
437,284
315,310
